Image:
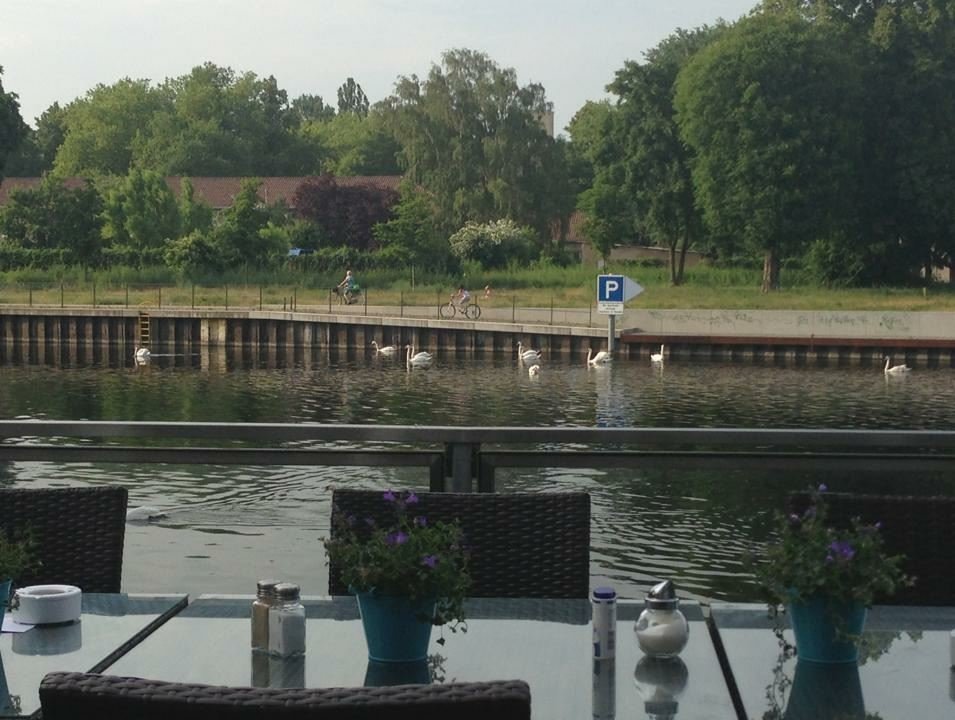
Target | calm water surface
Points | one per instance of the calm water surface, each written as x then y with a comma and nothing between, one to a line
227,525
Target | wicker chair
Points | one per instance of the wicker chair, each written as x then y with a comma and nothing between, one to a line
920,528
522,544
78,534
83,696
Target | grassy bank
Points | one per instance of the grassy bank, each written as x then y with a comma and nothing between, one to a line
705,288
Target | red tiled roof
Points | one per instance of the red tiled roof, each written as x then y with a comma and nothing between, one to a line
8,185
219,192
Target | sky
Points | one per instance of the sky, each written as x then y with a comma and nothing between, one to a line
56,50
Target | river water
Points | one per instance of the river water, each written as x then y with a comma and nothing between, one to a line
225,526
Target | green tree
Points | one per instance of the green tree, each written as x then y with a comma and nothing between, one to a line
770,111
473,138
238,233
658,163
311,108
102,128
411,234
193,213
54,224
352,99
141,216
12,127
350,144
607,207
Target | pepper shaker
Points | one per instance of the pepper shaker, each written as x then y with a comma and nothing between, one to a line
264,598
662,630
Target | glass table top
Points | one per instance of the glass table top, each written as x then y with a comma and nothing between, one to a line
107,623
903,669
547,643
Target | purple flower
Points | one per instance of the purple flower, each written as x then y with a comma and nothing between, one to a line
841,550
878,525
430,560
389,496
421,521
823,487
412,499
396,538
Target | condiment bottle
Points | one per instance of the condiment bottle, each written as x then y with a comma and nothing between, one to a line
264,598
604,601
287,622
661,629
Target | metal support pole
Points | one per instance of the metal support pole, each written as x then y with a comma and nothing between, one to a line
61,295
160,297
365,295
30,291
611,332
461,457
329,302
401,303
260,299
513,309
193,296
127,294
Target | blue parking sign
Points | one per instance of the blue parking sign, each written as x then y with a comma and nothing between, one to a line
610,288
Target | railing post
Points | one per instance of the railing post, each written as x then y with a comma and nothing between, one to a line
193,296
401,303
160,297
294,299
329,302
260,299
30,294
61,295
513,309
127,294
461,459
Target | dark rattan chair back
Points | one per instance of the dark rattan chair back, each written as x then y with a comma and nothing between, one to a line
920,528
81,696
521,544
78,534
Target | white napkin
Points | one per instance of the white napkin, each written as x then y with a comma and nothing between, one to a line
11,625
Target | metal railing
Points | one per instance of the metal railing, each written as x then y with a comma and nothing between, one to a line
458,457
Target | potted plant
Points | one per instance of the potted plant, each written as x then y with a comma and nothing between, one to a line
826,578
407,576
14,559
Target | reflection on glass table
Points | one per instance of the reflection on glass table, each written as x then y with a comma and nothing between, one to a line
903,669
107,624
547,643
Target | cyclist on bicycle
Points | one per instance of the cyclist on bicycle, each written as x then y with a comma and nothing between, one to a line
461,298
348,286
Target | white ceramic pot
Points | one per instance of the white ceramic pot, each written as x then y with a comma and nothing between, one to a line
47,604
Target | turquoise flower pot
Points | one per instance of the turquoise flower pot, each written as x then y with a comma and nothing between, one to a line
397,629
820,626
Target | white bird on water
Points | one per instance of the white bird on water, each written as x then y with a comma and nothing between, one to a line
895,369
142,355
601,358
387,351
657,357
534,370
529,356
418,360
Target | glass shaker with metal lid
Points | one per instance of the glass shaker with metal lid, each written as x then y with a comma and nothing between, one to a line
287,622
662,630
264,598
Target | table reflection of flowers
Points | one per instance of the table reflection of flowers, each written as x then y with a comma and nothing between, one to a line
804,690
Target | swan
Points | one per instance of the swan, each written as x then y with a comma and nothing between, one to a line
601,358
387,351
657,357
418,360
895,369
534,370
528,357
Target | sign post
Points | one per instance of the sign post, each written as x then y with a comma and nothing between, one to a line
612,292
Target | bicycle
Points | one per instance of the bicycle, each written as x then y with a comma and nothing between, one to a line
448,310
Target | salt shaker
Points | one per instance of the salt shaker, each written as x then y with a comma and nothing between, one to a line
661,629
287,622
605,622
264,598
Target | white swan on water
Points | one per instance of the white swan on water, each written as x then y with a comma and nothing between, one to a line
657,357
534,370
601,358
529,356
418,360
142,355
895,369
387,351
